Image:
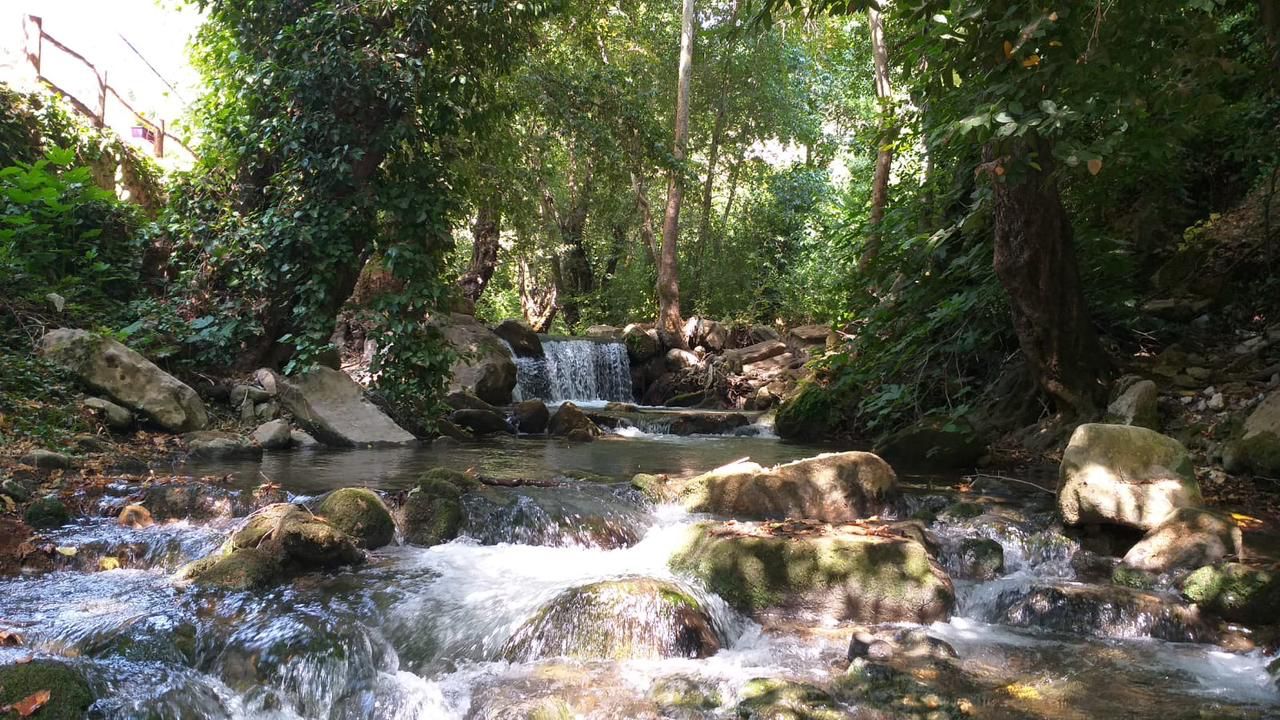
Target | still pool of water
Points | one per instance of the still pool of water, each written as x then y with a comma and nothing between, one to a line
418,633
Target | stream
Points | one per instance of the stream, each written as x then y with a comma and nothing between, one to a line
421,632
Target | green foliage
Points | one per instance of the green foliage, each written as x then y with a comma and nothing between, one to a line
330,130
60,233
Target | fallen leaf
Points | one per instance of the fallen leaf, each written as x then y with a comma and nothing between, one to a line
1022,692
1031,61
1095,166
9,504
109,563
67,550
1008,50
27,706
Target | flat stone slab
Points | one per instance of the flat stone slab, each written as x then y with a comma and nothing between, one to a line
330,406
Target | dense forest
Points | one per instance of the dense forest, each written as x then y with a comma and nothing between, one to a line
980,238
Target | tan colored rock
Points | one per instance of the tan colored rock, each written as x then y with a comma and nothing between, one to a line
332,407
127,377
1124,475
484,366
1187,539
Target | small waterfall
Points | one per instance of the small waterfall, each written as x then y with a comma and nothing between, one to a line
578,370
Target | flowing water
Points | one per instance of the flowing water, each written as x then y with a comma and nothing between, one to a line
575,369
421,632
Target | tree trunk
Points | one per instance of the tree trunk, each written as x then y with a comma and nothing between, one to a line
484,254
884,137
1036,263
670,325
537,300
1271,28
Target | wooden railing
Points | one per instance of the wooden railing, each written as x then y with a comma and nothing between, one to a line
154,132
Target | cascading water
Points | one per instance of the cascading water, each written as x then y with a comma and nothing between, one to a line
578,370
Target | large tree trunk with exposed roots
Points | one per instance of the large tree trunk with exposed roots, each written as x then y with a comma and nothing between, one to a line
1036,262
670,325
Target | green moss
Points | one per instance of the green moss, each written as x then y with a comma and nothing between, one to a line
778,699
47,512
1125,576
242,569
360,513
961,511
1235,592
812,413
981,558
460,480
69,695
684,693
433,512
876,579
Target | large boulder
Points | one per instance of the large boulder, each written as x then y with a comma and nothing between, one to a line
835,575
432,513
1257,448
642,344
218,445
1124,475
530,416
832,487
480,422
1187,539
1108,611
1136,403
569,421
933,444
330,406
69,696
812,412
1235,592
273,435
360,513
484,367
756,353
626,619
274,544
523,340
604,332
128,378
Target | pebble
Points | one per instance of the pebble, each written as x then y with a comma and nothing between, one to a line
1217,402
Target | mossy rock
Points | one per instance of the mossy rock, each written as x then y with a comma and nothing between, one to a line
980,559
779,699
360,513
433,512
69,694
841,576
298,539
629,618
812,412
961,511
683,693
46,512
1235,592
1125,576
243,569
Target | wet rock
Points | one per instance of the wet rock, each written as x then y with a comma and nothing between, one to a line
1187,539
115,417
885,644
836,576
933,444
1124,475
330,406
979,559
531,416
128,378
453,432
681,693
273,435
1235,592
360,513
46,512
46,460
69,694
781,699
523,340
632,618
215,445
192,500
1136,403
15,490
1102,611
480,422
590,515
569,419
135,516
302,440
240,570
433,512
810,412
1257,448
832,487
484,367
706,423
642,344
463,400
